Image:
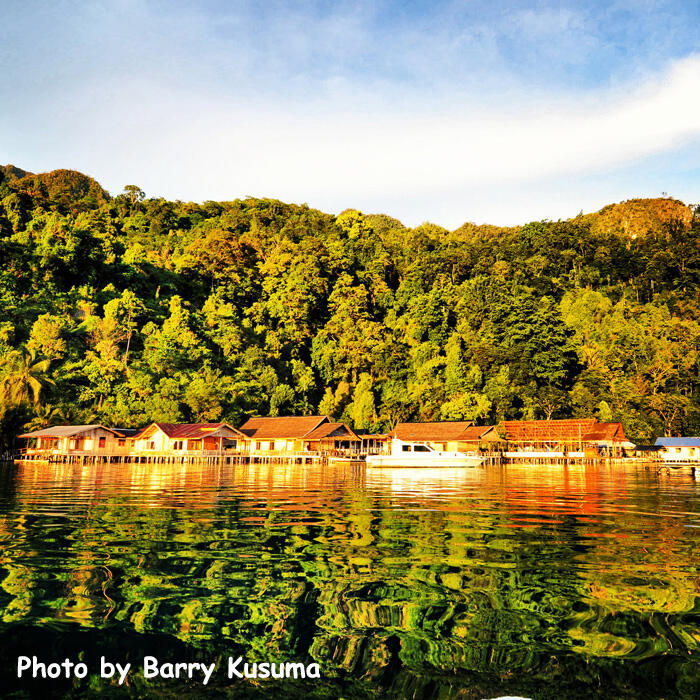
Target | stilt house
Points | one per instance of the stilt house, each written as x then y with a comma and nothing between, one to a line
187,439
297,434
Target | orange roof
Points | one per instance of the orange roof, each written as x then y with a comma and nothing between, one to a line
445,430
327,430
606,431
281,427
546,430
476,432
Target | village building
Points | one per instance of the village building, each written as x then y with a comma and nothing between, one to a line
679,449
449,436
373,443
561,437
607,439
295,434
75,440
332,438
279,434
298,434
179,439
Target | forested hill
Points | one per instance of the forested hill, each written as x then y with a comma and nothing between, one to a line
125,310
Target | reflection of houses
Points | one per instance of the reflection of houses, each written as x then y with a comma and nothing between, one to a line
298,434
76,440
178,439
561,437
679,449
449,436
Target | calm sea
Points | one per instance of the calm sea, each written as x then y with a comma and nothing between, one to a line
543,582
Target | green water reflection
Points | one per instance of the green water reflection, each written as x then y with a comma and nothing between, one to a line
545,582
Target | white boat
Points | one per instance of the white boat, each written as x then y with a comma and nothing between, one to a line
416,454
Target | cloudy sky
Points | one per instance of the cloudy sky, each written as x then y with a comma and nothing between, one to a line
480,110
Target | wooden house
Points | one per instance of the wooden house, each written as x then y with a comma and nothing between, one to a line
178,439
75,440
561,436
679,449
333,438
297,434
373,443
450,436
606,439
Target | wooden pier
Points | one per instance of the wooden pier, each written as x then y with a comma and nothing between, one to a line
203,460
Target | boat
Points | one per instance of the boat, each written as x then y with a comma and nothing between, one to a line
416,454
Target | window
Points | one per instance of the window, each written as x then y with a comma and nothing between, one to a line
121,442
406,448
102,442
421,448
151,445
177,445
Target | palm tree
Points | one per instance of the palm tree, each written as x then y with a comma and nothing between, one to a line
22,376
45,416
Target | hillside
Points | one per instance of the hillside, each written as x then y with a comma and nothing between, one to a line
640,217
126,310
11,172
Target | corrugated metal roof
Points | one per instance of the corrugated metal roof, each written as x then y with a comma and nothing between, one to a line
437,431
281,427
678,441
66,431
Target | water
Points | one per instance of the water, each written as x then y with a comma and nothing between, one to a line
466,583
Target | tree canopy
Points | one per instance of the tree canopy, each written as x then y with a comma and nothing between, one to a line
129,309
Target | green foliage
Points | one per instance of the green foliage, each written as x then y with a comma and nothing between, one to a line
148,309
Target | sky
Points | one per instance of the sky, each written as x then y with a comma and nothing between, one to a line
481,110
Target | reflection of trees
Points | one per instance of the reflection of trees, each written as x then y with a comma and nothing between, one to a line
392,592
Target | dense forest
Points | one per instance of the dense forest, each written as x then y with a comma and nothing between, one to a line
125,310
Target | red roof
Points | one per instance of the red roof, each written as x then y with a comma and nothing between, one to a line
440,431
547,430
281,427
191,431
613,432
475,432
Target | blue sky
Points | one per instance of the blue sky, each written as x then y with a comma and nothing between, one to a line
485,111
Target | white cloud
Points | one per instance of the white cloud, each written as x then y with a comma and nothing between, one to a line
356,148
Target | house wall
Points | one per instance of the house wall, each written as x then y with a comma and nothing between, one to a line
158,442
680,454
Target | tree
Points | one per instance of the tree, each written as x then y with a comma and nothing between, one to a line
22,377
134,193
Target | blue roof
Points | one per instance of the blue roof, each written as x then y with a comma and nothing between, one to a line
678,442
